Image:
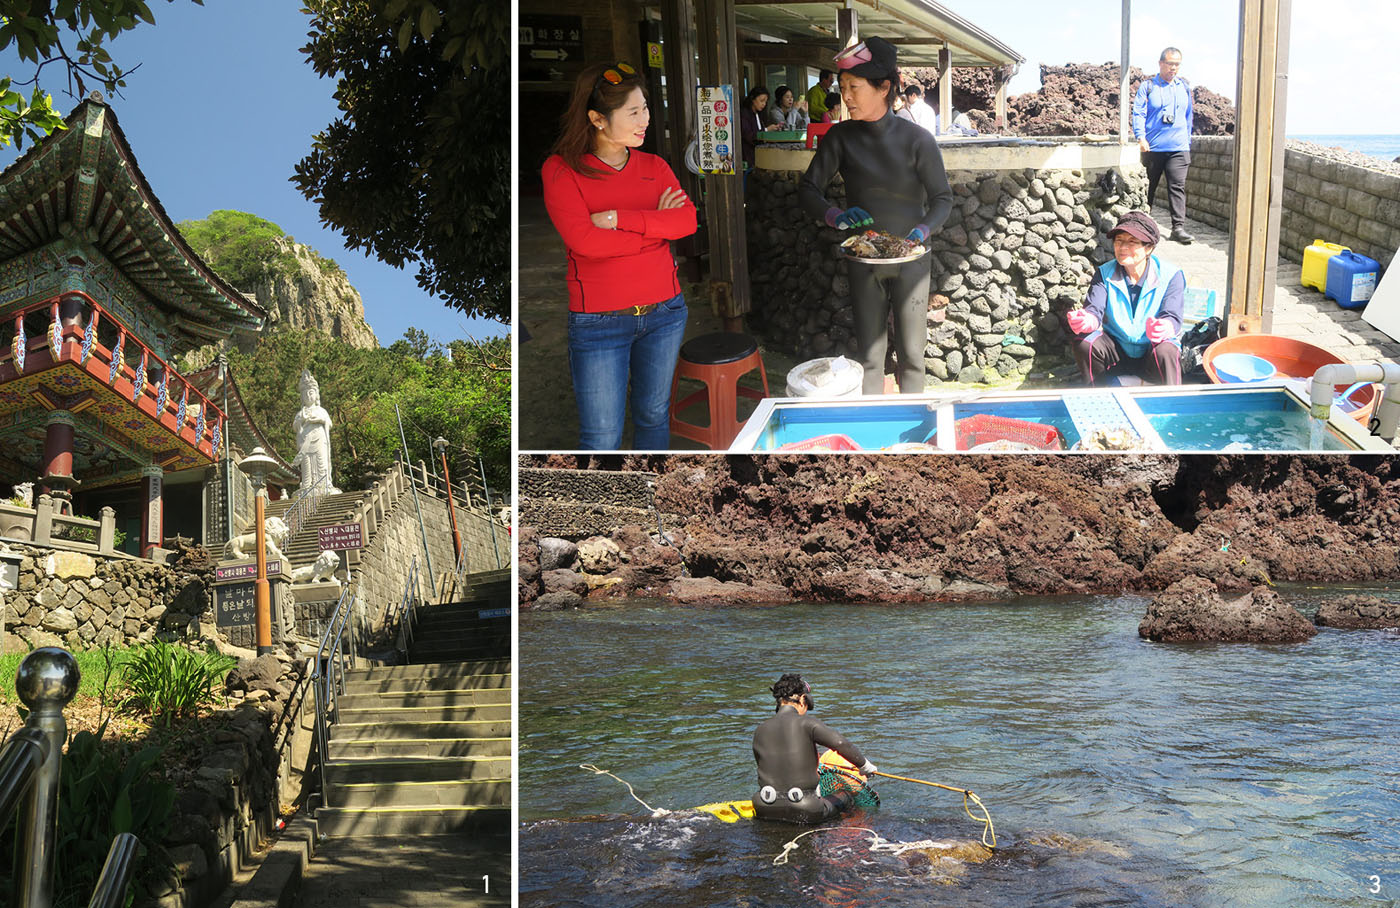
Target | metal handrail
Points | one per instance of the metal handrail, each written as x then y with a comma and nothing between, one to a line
327,673
30,765
304,506
404,611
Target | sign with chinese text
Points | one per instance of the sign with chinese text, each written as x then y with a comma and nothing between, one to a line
340,537
718,134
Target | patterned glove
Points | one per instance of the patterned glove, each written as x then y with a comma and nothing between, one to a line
918,234
851,217
1160,329
1082,321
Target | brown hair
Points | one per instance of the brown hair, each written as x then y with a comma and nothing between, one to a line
591,92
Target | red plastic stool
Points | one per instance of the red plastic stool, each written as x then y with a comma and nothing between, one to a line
719,361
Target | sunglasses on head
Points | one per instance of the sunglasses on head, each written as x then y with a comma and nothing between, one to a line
617,73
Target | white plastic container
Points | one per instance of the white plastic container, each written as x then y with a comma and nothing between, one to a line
827,376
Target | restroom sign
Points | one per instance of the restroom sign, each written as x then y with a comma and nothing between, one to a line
716,132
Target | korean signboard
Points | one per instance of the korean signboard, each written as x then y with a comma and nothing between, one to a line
719,131
340,537
234,605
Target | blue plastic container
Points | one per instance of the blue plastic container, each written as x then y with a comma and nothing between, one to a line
1243,367
1351,279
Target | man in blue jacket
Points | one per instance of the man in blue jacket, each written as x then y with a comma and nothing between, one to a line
1162,113
1132,317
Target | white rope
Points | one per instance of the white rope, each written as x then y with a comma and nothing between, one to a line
877,842
655,811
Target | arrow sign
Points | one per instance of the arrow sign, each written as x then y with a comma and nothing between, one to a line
549,55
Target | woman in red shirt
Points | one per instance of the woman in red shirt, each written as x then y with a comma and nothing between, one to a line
617,209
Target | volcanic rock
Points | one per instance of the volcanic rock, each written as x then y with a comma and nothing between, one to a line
557,602
561,580
709,591
556,553
1359,613
598,555
1192,610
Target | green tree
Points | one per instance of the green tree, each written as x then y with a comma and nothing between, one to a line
241,247
73,33
417,167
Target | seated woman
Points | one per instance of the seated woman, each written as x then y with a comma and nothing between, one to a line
786,112
1131,320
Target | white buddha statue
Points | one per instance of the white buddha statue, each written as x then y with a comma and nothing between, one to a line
313,430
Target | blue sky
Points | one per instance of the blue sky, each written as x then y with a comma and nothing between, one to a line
220,111
1334,44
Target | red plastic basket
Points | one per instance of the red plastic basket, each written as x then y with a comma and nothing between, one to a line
985,427
835,442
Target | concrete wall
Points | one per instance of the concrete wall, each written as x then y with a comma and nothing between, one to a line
1324,197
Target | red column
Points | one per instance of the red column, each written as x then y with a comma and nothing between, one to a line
58,449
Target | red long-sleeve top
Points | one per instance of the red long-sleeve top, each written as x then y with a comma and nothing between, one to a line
631,265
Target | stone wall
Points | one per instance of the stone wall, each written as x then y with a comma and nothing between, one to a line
574,504
82,601
1334,196
1017,250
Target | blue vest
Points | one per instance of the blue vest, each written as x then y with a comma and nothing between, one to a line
1121,322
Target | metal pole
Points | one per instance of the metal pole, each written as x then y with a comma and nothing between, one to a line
422,531
46,682
1125,129
451,510
228,461
490,517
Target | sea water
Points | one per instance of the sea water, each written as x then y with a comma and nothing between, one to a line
1117,771
1386,147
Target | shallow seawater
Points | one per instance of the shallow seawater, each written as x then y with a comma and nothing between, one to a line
1117,771
1267,430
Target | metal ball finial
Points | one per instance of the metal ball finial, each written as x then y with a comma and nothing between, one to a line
49,675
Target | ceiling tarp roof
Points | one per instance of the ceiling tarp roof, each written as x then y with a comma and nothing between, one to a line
918,27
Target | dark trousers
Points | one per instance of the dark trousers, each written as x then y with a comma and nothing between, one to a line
1100,358
1173,164
875,290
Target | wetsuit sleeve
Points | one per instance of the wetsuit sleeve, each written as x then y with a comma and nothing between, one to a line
1140,112
935,180
1097,299
671,224
569,212
1174,301
811,191
830,737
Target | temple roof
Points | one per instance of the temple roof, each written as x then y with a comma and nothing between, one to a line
243,432
83,184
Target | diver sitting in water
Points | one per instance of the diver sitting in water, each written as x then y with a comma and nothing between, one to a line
785,747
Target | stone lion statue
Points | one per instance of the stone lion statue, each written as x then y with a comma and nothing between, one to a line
322,570
25,492
243,546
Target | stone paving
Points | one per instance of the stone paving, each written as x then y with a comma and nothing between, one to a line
408,872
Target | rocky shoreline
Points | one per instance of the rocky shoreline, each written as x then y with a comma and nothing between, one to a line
904,529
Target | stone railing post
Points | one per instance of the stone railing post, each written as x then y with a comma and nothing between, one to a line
106,530
43,520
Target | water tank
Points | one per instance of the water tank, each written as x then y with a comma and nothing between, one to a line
1351,279
1315,259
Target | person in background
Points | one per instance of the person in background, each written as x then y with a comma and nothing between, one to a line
818,102
786,113
1132,317
833,108
751,123
895,182
916,111
1162,121
617,209
785,749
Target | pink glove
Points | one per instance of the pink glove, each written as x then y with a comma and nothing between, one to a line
1160,329
1082,321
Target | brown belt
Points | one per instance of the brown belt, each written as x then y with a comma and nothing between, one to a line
631,310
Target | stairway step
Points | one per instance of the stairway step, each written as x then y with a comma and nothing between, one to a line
411,768
480,695
497,749
473,673
445,654
462,793
391,728
433,712
394,700
356,821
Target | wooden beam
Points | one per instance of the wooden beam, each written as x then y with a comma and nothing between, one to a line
1258,165
945,90
730,296
999,105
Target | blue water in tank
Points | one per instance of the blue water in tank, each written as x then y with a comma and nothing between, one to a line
1351,279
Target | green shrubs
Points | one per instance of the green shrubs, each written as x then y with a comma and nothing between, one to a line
172,682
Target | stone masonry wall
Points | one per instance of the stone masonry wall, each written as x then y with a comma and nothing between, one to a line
384,564
1016,252
574,504
83,601
1324,197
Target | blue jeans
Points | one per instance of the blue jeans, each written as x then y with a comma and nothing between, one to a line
605,351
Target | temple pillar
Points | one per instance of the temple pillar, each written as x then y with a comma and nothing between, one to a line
57,478
153,514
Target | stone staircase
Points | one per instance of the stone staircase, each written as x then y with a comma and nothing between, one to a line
303,548
424,748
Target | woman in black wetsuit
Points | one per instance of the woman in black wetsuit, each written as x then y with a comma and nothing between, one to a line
785,748
895,182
